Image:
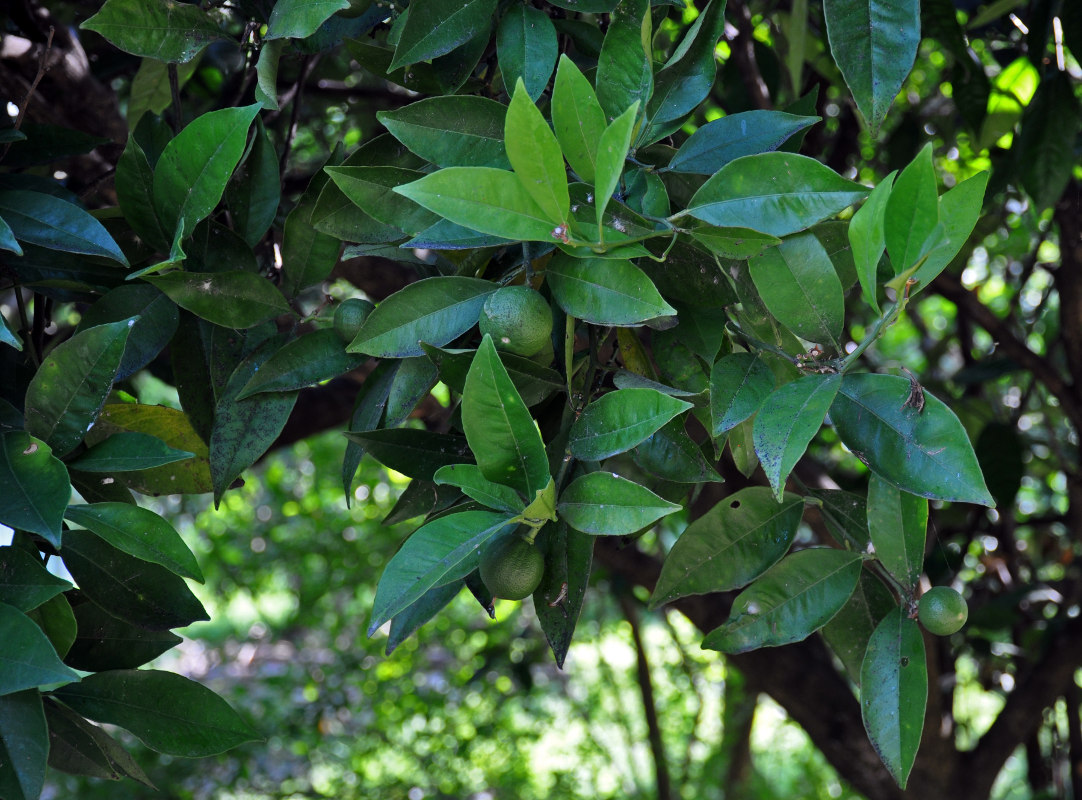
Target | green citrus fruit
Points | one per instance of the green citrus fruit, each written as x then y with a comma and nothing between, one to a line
942,611
349,316
518,319
511,567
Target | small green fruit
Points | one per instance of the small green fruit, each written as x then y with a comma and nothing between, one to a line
942,611
511,567
350,316
518,319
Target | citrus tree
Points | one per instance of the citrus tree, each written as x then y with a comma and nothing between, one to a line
650,259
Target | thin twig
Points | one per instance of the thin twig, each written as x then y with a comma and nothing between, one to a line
174,89
43,67
307,66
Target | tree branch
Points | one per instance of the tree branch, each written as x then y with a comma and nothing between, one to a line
743,50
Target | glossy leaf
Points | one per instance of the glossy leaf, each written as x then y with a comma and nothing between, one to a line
533,382
670,454
433,551
161,29
55,617
9,336
611,153
868,239
414,453
413,380
558,598
776,193
793,599
308,254
739,383
134,183
624,72
156,322
127,452
526,48
104,642
68,391
299,19
620,420
798,284
370,188
434,311
24,581
169,713
255,191
788,420
874,44
45,220
747,133
434,28
502,434
736,243
231,299
730,545
926,453
310,359
898,526
451,131
604,291
894,692
24,745
577,118
78,747
138,591
36,486
138,532
604,504
406,622
484,199
28,658
535,156
1045,143
912,212
472,482
846,517
959,210
849,632
194,168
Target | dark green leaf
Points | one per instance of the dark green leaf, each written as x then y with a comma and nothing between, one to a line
161,29
793,599
24,581
55,617
413,380
425,558
104,642
230,299
451,131
924,452
894,692
577,118
748,133
533,381
620,420
299,19
739,383
730,545
526,48
48,221
406,622
309,254
28,658
255,190
135,193
846,517
601,503
558,598
266,71
1046,144
624,72
310,359
670,454
36,486
898,526
604,291
127,452
79,747
473,483
169,713
414,453
155,325
735,243
434,28
370,188
851,629
776,193
24,745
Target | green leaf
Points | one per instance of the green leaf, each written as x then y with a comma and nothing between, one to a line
611,153
55,617
533,381
151,89
604,291
194,168
370,189
912,212
793,599
135,193
68,391
747,133
868,238
308,254
7,239
128,452
670,454
406,622
788,420
255,191
310,359
413,380
558,598
24,745
577,118
874,44
846,517
926,453
1045,145
161,29
414,453
526,48
482,199
168,713
230,299
36,486
138,532
156,322
425,558
434,28
620,420
898,525
851,629
959,210
535,156
776,193
894,692
800,287
624,72
138,591
104,642
28,658
8,336
604,504
735,243
24,581
79,747
48,221
451,131
730,545
434,311
502,434
266,71
473,483
739,383
244,429
299,19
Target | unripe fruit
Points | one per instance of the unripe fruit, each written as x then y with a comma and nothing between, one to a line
349,316
518,319
942,611
511,567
